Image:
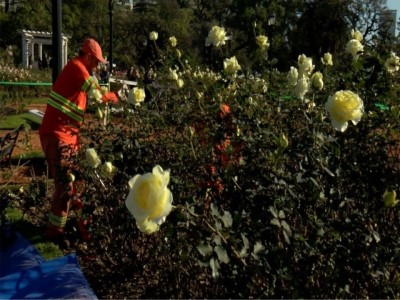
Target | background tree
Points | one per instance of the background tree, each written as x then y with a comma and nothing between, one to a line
311,27
322,27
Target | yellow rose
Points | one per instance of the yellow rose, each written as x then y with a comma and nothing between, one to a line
180,83
357,35
262,42
305,65
317,81
136,96
293,76
216,37
172,41
173,75
354,47
149,199
392,64
327,59
344,106
301,87
147,226
231,65
108,169
153,36
389,199
92,158
178,53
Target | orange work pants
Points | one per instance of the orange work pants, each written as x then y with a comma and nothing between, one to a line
57,154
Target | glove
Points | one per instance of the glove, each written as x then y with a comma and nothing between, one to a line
110,97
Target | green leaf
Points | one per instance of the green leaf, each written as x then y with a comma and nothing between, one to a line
246,245
222,255
273,211
286,236
286,227
227,219
276,222
214,268
204,250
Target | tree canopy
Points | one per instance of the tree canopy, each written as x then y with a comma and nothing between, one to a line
311,27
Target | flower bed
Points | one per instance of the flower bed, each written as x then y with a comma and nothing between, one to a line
283,185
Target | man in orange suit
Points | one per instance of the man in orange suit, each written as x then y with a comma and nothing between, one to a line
59,132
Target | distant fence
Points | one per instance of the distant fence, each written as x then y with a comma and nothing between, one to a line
25,83
33,83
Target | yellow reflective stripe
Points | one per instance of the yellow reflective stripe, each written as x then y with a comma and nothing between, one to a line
57,221
72,106
64,110
66,106
88,83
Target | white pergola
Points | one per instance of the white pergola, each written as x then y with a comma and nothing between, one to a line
30,38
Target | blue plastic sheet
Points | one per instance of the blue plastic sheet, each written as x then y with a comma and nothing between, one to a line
26,275
18,254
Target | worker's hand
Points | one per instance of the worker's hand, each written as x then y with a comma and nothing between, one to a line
110,97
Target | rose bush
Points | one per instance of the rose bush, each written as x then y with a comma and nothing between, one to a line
274,196
289,208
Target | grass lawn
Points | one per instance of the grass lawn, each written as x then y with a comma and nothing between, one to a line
31,232
29,121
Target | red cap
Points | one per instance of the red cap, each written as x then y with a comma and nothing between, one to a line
90,46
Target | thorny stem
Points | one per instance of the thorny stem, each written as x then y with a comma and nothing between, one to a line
223,239
191,146
235,182
226,242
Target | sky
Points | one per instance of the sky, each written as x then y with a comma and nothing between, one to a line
394,4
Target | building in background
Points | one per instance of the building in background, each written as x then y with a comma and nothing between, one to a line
388,22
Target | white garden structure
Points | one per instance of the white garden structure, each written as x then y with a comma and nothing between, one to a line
31,54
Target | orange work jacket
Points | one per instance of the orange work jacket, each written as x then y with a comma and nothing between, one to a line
67,103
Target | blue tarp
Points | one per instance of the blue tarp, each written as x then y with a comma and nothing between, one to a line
24,274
